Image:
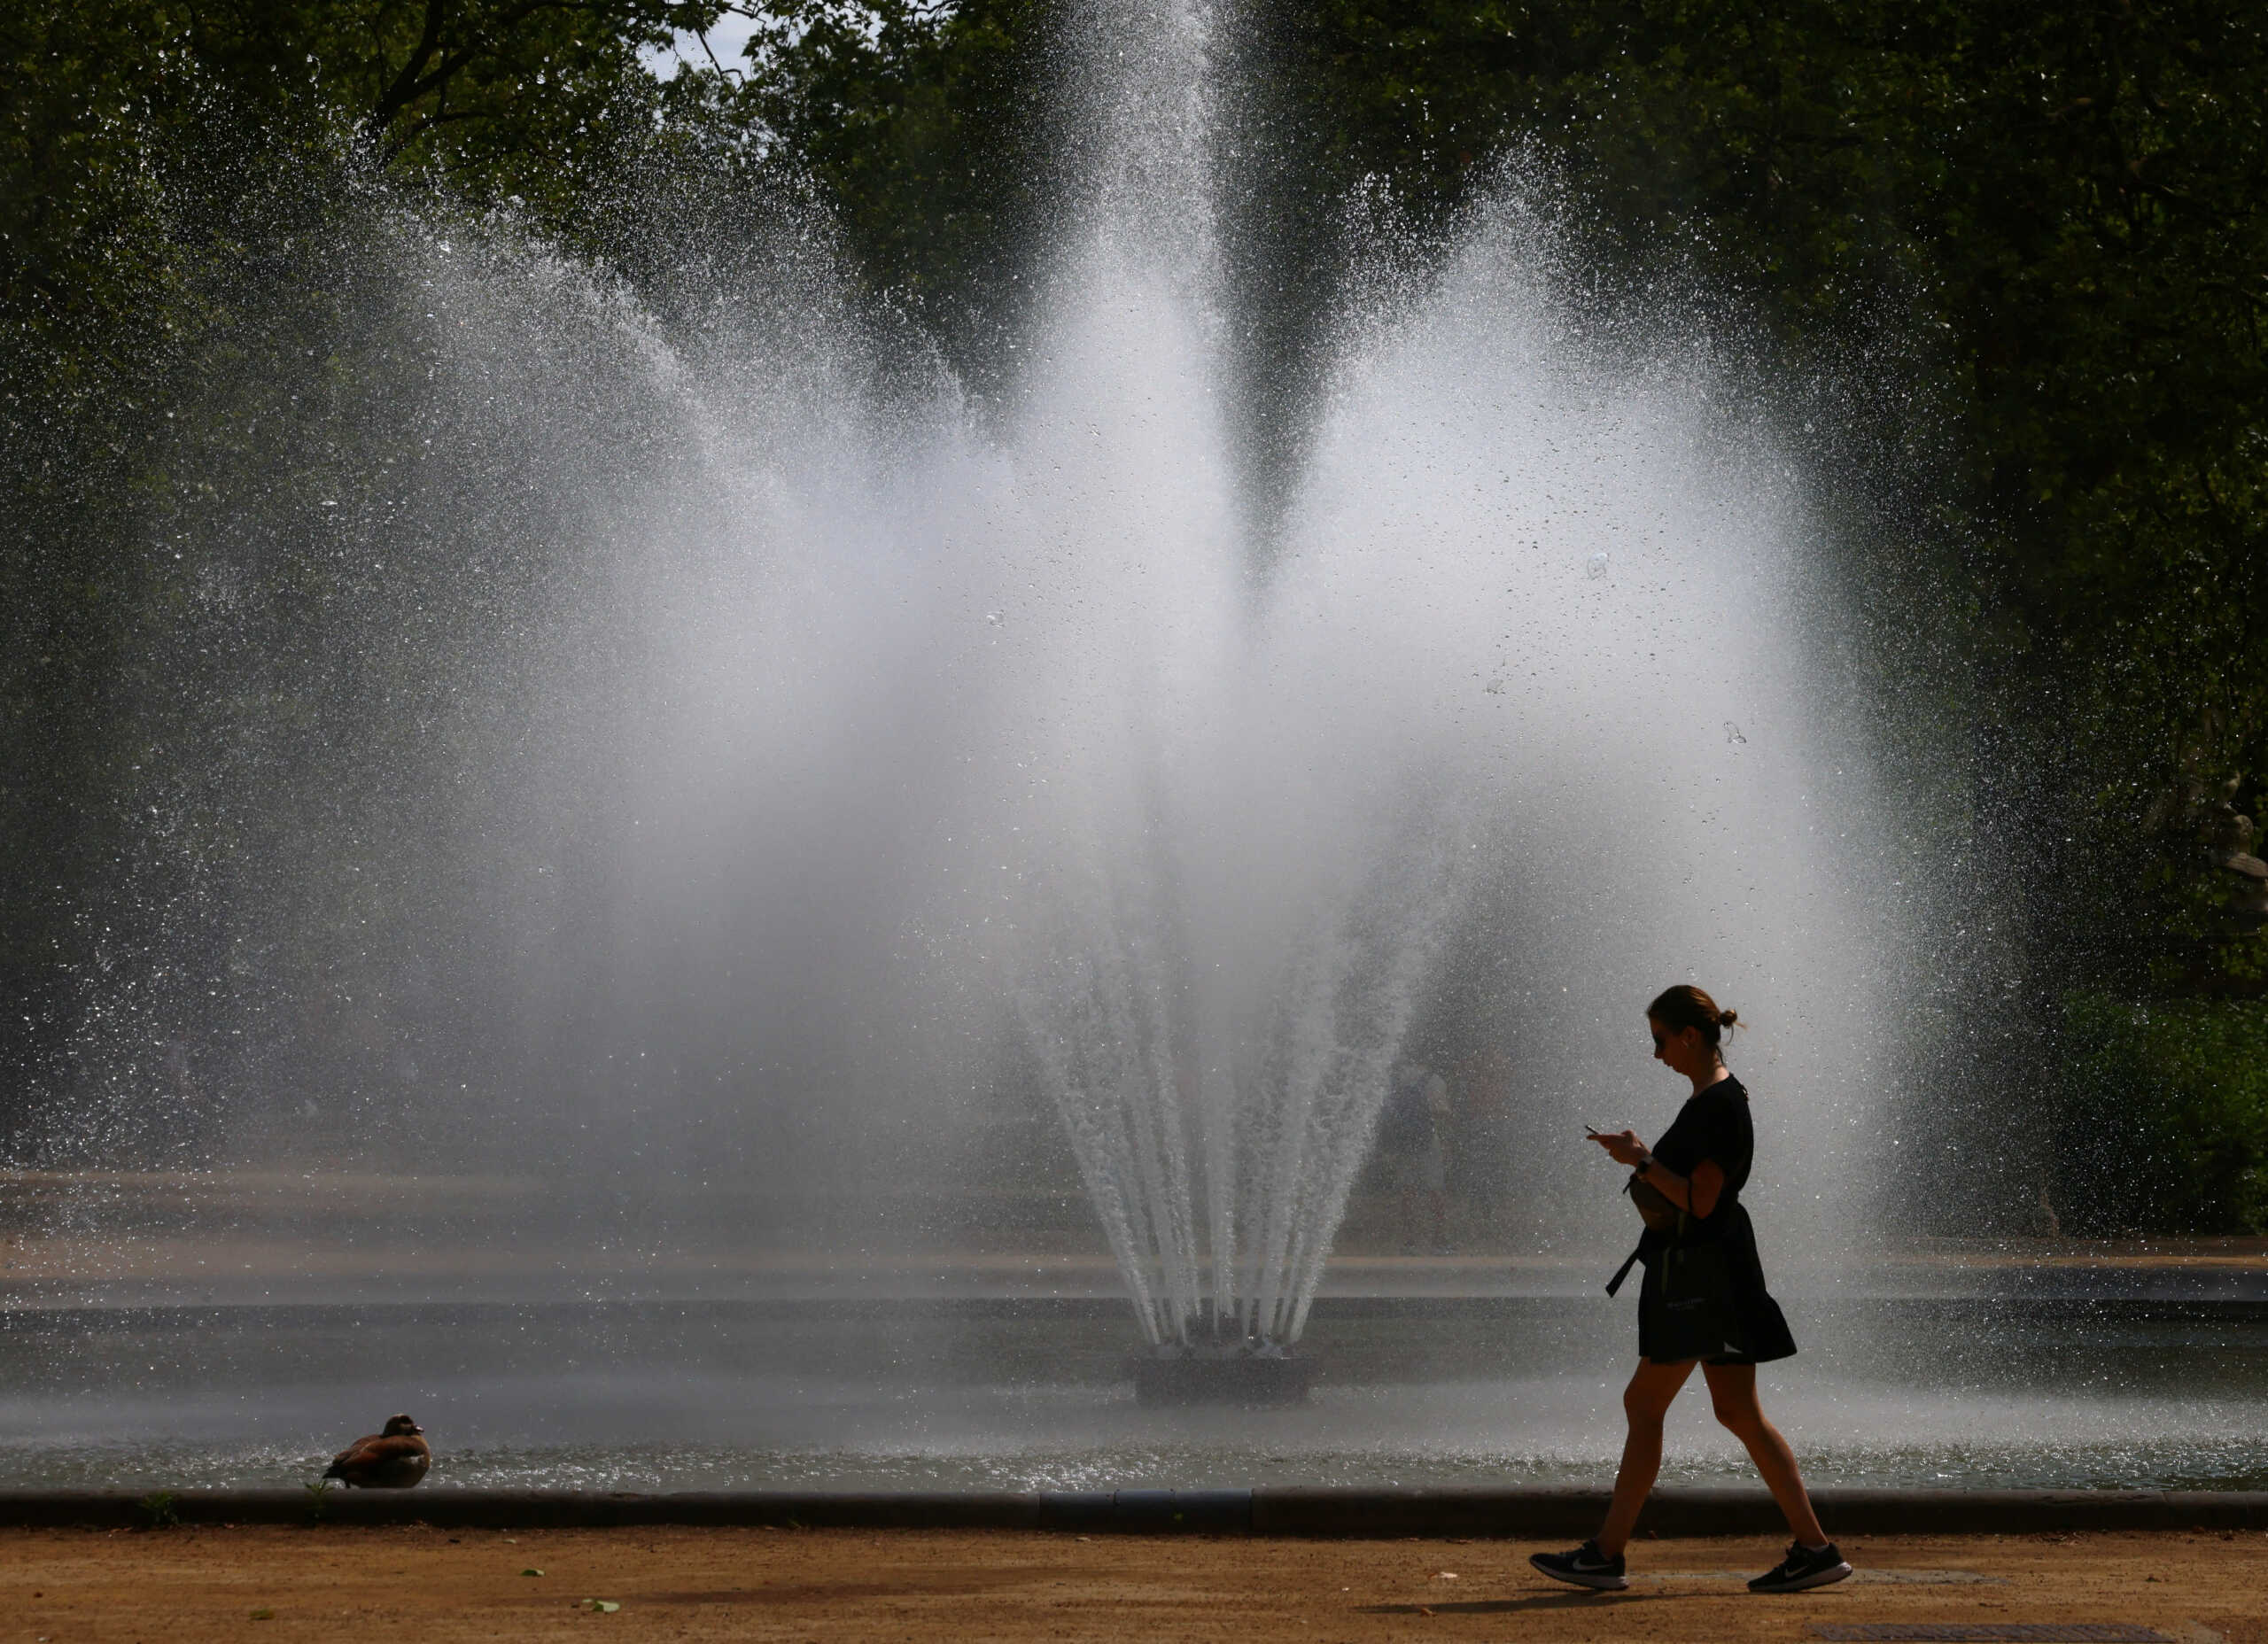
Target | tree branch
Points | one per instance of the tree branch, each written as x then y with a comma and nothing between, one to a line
404,91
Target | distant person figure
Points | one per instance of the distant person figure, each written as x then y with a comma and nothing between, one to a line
1703,1299
393,1460
181,1075
1410,1141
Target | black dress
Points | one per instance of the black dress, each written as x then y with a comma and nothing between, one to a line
1713,1124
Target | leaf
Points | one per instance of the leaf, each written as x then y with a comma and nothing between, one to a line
263,1614
531,1573
601,1605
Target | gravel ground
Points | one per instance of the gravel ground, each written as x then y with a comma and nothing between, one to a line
174,1586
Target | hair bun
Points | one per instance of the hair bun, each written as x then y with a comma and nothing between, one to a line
1685,1006
1727,1019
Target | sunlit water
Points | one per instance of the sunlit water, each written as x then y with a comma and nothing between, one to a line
1028,1397
661,758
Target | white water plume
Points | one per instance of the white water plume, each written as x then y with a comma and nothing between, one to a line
683,760
1524,581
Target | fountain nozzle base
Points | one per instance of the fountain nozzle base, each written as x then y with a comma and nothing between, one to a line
1219,1375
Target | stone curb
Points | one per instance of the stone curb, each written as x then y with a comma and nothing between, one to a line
1271,1510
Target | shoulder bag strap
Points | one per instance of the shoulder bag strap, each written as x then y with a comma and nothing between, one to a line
1623,1272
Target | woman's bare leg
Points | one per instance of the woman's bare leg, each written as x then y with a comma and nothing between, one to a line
1646,1400
1732,1389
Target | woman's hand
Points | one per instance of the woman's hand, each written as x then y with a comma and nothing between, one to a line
1623,1146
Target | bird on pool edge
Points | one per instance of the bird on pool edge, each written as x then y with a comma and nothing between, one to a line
392,1460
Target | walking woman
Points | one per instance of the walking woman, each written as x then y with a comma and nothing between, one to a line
1702,1301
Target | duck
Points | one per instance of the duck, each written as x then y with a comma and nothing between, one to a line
392,1460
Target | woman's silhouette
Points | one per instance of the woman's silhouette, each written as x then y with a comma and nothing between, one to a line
1703,1301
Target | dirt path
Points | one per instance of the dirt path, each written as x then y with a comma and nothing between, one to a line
181,1586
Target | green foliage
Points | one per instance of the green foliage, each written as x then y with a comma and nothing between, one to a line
923,125
131,131
2166,1117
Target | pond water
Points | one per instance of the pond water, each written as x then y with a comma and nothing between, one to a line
1030,1395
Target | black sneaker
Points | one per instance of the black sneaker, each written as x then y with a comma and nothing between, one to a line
1801,1569
1585,1567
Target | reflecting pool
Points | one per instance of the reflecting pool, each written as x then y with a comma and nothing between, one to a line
1029,1394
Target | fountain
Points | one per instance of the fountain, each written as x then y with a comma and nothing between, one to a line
1525,580
692,763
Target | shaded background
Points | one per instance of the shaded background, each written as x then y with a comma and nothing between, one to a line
2000,272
